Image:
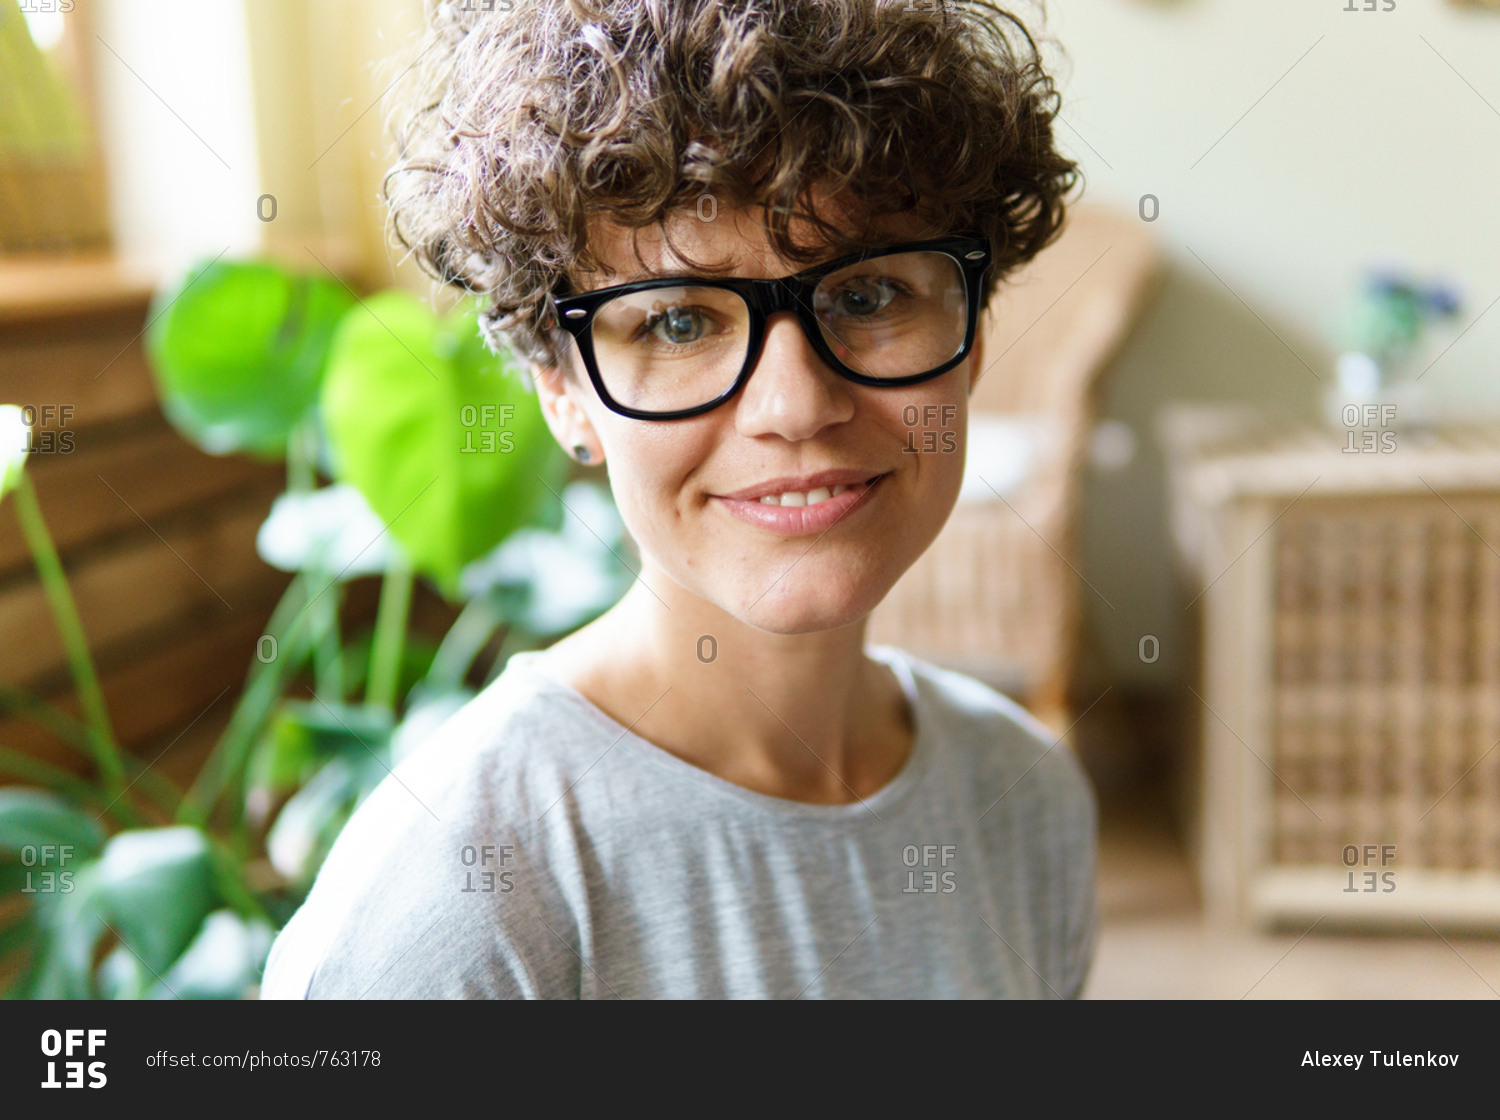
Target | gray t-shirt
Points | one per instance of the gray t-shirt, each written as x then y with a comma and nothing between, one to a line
535,847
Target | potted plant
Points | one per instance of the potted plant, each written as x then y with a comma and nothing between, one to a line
412,453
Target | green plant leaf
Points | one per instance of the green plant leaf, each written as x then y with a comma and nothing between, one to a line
416,660
305,735
32,818
239,349
222,962
18,940
311,820
17,934
151,889
443,438
121,975
553,582
283,757
67,930
13,877
157,885
332,531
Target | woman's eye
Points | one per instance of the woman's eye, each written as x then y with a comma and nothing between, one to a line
678,325
862,298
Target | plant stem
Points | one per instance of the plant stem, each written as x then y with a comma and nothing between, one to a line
66,727
105,750
229,877
512,640
390,635
157,791
328,674
302,458
302,478
154,789
289,626
473,627
30,769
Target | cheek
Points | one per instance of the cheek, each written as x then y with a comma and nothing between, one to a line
933,428
651,467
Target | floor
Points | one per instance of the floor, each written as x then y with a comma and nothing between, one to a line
1154,943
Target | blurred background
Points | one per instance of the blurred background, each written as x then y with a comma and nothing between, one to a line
1229,526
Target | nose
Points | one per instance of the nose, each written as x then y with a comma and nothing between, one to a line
791,393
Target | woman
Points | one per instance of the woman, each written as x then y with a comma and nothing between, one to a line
744,247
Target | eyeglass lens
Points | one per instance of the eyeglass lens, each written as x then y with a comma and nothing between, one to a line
672,348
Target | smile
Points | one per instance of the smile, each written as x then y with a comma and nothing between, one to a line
795,508
800,498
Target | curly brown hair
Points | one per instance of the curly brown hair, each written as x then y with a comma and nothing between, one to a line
516,129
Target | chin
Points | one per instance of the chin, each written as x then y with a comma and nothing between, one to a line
811,602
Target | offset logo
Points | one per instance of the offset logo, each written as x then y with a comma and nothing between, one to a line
929,880
67,1044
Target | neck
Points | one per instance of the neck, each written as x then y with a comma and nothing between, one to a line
802,716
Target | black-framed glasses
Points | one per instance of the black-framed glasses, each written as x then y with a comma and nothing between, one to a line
674,347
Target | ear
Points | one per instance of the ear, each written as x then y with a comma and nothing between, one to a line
976,355
558,395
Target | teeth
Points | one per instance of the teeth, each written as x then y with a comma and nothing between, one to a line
798,498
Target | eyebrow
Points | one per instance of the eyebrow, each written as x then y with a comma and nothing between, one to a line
705,274
652,274
619,279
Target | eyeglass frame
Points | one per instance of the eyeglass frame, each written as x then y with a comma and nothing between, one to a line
764,298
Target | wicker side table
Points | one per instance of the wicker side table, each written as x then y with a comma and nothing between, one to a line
1349,591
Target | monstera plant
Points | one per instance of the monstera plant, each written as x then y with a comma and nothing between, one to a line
412,453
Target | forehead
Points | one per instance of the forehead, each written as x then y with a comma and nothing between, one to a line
711,240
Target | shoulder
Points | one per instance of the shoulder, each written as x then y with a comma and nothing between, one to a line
423,892
1026,792
1003,749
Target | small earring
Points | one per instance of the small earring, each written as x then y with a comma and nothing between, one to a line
582,453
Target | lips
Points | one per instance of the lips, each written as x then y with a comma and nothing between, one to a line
802,484
766,504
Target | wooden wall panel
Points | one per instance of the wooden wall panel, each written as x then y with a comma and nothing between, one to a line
139,587
125,482
138,515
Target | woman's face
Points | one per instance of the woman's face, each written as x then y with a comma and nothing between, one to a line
690,491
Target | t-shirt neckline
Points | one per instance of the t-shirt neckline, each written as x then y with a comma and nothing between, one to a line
865,809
